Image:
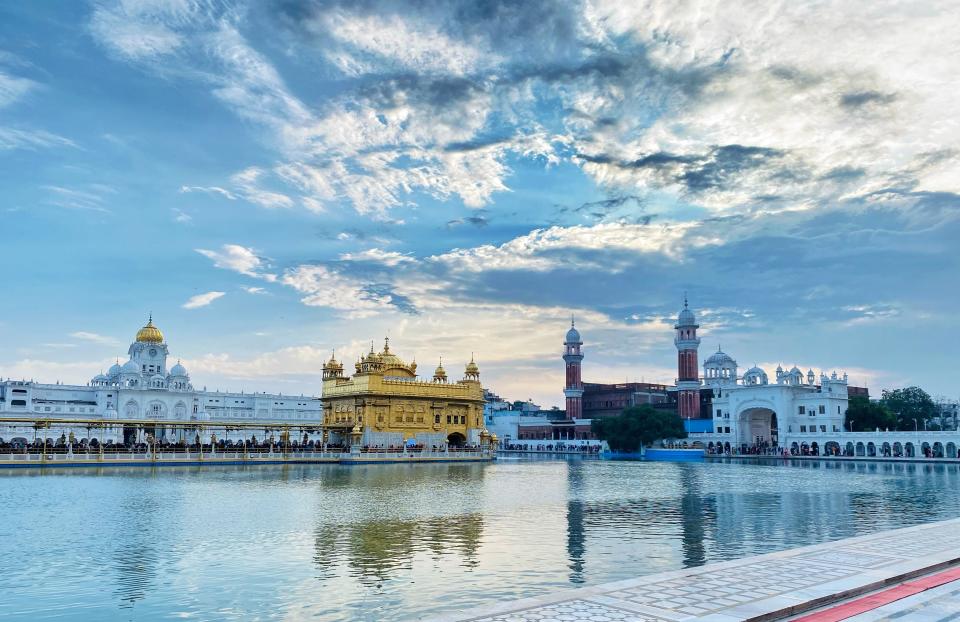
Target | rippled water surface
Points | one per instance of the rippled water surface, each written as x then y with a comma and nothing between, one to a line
402,542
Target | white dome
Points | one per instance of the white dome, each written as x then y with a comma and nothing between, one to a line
115,369
178,370
686,318
130,368
573,336
100,378
755,370
796,370
718,358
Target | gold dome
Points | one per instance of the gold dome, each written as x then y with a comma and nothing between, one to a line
472,367
149,333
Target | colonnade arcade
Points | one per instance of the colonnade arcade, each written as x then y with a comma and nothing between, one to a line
850,444
23,433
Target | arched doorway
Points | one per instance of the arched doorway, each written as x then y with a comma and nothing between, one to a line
849,449
456,440
832,448
938,450
925,449
871,450
861,450
814,448
885,449
758,426
951,450
897,450
910,451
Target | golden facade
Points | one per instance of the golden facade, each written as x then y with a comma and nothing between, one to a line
386,404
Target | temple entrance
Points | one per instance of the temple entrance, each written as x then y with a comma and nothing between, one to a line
758,427
456,440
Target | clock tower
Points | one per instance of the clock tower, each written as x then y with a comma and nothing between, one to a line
149,352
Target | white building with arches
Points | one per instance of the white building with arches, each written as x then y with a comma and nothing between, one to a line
750,410
802,412
143,388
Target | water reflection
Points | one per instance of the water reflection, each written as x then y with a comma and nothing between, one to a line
697,512
135,556
575,525
409,541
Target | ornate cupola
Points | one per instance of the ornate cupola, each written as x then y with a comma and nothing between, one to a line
332,368
472,372
440,375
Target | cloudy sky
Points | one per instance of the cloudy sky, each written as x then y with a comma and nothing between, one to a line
277,179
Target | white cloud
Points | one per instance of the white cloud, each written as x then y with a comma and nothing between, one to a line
90,199
255,290
95,338
237,258
69,372
325,287
13,88
202,300
181,216
16,138
375,255
370,42
536,250
248,187
210,190
134,31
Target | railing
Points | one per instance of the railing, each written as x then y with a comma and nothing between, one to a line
238,456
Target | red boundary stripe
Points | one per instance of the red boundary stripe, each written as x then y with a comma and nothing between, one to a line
879,599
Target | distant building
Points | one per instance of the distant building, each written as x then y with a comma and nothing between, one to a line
144,397
609,400
384,403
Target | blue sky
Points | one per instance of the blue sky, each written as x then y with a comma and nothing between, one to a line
275,180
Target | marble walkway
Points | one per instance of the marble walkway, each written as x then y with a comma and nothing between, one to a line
766,587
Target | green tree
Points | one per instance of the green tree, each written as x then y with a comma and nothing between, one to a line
866,416
911,406
638,425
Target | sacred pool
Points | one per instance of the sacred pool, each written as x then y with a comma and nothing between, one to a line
407,541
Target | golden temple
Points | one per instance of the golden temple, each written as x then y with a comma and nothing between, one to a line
385,404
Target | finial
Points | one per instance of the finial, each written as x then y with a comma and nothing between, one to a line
386,344
371,346
471,357
684,300
150,318
572,323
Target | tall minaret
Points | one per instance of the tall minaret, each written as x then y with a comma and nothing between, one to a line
688,379
574,387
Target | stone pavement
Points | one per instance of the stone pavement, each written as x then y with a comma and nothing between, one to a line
766,587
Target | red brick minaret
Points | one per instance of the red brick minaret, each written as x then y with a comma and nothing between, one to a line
574,387
688,378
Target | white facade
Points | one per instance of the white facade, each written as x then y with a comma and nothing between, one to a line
143,388
803,413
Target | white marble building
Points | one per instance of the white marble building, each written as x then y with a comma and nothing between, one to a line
144,388
752,410
802,412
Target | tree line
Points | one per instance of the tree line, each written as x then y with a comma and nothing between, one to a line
902,410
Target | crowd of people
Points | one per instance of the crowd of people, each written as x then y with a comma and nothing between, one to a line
64,445
582,448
